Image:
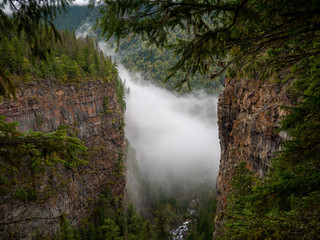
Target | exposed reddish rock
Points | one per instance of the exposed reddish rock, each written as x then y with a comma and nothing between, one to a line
249,112
44,107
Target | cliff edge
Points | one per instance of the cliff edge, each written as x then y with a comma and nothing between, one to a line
92,113
249,112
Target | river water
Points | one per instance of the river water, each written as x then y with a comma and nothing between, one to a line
181,231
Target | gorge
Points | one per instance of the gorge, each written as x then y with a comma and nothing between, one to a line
152,169
248,112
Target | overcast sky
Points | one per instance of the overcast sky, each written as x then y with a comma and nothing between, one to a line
81,2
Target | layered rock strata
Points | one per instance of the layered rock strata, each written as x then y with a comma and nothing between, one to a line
66,193
249,112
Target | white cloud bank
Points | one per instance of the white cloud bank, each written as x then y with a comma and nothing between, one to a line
173,135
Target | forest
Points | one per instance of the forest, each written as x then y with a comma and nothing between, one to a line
68,60
137,56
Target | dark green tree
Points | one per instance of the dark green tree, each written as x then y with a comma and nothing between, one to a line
147,231
273,34
163,218
39,148
111,230
285,205
23,156
33,19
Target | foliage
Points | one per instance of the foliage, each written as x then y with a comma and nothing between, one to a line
38,147
256,39
168,203
71,60
153,63
285,205
112,231
24,156
110,222
32,19
120,92
202,224
252,35
26,194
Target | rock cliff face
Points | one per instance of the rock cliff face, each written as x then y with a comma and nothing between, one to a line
249,112
66,192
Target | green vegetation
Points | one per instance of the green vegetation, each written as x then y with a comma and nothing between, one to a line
167,204
202,224
34,21
153,63
244,35
110,221
38,147
248,38
286,204
120,91
71,60
60,58
26,194
24,157
276,40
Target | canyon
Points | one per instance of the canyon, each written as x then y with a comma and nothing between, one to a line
249,113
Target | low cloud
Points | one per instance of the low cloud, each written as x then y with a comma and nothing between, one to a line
174,136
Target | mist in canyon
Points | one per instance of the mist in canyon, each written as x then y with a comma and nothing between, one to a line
172,138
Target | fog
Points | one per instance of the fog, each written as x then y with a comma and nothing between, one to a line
175,137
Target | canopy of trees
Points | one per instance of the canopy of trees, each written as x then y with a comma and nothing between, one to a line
69,60
274,33
33,18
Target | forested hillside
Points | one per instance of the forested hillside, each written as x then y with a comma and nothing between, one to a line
149,61
55,90
154,64
74,17
68,60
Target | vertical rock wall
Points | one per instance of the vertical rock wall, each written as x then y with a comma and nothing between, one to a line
249,112
93,114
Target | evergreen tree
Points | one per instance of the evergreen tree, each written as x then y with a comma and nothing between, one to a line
111,230
285,205
162,221
147,232
34,20
272,34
